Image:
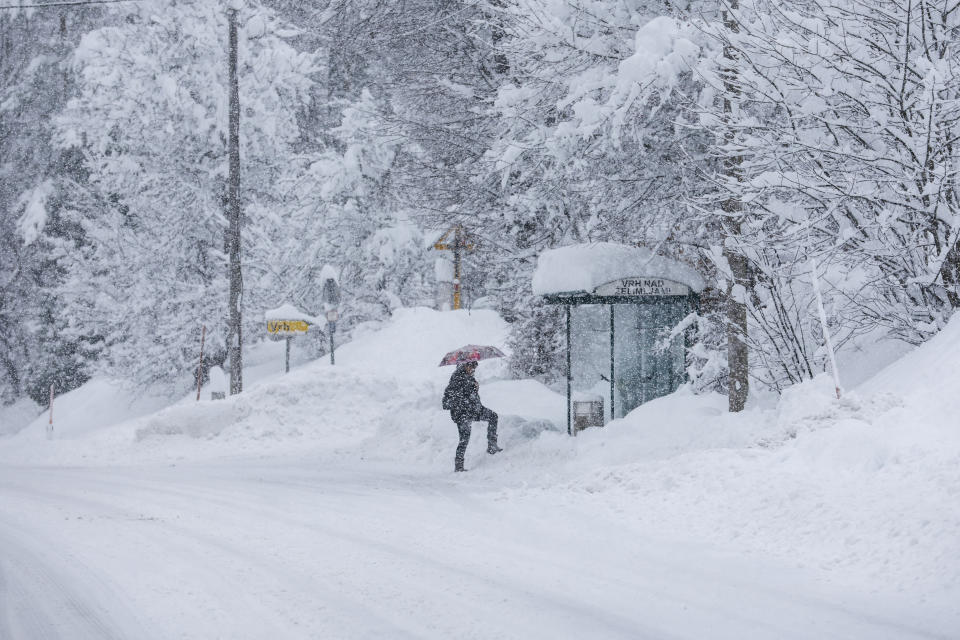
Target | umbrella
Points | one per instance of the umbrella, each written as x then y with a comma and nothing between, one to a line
471,353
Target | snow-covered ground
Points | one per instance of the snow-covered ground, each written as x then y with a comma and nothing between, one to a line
322,504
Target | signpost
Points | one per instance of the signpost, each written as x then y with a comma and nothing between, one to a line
458,246
287,328
330,297
287,321
332,317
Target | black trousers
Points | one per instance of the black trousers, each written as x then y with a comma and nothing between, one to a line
485,415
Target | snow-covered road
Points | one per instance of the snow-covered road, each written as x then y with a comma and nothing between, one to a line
322,549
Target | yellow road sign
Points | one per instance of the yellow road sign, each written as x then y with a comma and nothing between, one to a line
286,327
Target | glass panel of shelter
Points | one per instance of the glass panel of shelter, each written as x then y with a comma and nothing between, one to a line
646,364
590,353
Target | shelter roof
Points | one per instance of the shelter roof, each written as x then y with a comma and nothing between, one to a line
581,268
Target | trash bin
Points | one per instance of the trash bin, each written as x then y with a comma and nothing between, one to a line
587,413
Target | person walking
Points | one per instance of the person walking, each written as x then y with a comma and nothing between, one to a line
462,399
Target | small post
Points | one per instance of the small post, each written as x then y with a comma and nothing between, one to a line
569,378
333,328
50,424
203,336
331,302
287,369
612,334
332,316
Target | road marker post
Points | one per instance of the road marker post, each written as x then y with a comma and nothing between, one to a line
50,423
203,336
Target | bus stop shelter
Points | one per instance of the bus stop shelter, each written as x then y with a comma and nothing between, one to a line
624,309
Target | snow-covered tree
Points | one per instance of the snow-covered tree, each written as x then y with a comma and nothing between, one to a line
150,118
34,86
594,141
845,127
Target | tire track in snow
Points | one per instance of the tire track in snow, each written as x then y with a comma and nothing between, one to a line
39,601
834,615
363,527
216,574
390,607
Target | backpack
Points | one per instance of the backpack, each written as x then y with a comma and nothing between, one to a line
447,402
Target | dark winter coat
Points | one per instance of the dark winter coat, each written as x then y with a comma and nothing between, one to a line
462,396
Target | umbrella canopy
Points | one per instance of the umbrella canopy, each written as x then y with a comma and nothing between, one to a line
471,353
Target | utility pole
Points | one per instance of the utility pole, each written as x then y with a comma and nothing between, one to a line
235,337
737,354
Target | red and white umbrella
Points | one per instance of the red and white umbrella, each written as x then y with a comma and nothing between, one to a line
471,353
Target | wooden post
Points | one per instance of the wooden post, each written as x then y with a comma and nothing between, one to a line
457,247
203,336
287,368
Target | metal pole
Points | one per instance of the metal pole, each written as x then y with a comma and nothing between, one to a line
569,378
203,336
612,334
287,368
331,344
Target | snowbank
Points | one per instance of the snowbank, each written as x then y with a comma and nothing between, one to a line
414,340
864,489
99,403
389,376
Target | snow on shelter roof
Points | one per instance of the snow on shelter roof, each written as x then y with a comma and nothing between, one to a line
581,268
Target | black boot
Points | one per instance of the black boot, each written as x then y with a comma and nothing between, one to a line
492,449
461,453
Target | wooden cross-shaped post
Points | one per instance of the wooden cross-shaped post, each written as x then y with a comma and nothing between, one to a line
458,246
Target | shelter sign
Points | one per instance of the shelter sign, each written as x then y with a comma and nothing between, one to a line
287,327
640,286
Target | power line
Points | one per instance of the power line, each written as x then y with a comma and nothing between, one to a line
62,4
